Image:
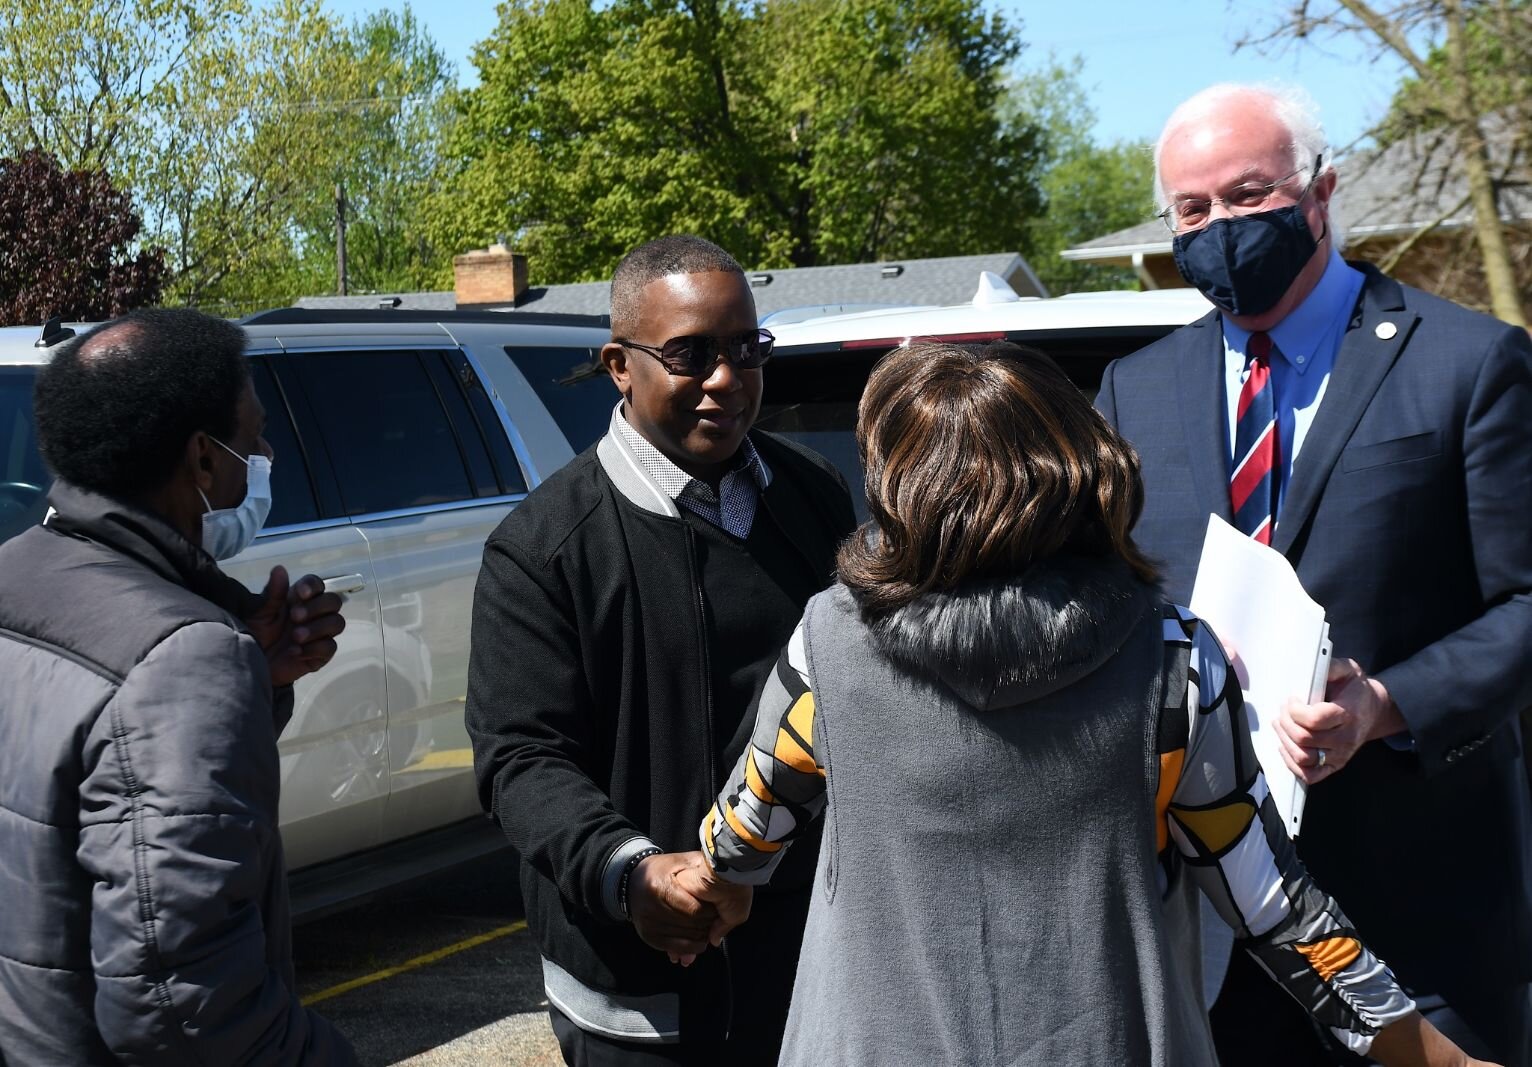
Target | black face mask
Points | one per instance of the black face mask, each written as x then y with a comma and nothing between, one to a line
1246,263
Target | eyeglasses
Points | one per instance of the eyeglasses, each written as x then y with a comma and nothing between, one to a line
1192,212
693,357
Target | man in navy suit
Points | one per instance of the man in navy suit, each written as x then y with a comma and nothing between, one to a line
1384,446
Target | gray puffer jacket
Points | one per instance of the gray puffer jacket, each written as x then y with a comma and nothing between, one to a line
145,913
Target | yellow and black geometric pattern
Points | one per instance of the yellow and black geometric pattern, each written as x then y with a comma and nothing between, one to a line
1212,816
777,787
1225,831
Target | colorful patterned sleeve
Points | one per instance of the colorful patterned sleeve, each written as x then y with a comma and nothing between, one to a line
1216,811
777,788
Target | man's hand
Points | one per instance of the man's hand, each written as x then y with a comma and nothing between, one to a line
666,916
296,626
732,901
1319,739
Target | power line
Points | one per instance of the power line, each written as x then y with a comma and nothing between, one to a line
358,104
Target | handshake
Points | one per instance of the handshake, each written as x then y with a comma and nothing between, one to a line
680,906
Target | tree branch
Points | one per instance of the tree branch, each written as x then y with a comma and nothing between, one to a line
1390,33
1388,264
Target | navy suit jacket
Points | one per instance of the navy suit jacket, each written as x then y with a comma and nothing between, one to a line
1409,517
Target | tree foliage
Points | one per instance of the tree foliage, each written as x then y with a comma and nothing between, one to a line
378,127
231,122
67,245
1497,43
1088,189
390,153
1466,59
793,132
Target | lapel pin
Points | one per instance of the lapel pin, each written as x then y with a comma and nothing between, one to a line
1385,330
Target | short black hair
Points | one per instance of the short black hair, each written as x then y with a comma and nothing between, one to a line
116,406
677,254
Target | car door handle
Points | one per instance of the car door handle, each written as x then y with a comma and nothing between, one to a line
345,583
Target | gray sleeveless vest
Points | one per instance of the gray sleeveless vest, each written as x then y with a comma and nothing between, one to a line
986,891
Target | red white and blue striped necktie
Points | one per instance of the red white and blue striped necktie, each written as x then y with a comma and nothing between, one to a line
1257,447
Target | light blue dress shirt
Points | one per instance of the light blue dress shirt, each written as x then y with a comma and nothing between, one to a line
1304,348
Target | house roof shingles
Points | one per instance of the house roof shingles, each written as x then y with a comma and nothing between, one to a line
940,282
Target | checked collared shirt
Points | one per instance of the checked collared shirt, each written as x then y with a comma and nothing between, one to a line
731,508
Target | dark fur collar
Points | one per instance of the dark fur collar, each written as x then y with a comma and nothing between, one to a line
1005,642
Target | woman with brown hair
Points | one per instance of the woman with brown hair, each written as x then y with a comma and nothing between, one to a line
1025,760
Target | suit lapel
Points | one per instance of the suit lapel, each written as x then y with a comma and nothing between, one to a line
1204,415
1363,361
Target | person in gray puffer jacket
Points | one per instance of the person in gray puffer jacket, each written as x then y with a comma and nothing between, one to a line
1026,763
145,916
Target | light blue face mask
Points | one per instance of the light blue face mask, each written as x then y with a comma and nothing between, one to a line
226,532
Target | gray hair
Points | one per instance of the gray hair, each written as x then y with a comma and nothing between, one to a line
1291,104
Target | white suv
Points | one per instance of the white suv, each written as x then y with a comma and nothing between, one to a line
816,374
401,440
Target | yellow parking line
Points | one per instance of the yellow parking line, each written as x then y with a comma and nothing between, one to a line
418,961
448,759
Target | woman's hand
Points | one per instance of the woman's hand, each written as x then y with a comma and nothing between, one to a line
700,881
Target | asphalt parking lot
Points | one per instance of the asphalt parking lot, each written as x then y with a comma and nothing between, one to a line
441,973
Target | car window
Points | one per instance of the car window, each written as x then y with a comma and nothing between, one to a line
811,398
829,428
388,438
24,480
573,386
485,424
292,494
811,394
470,442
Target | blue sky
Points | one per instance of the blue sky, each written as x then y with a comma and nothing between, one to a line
1140,58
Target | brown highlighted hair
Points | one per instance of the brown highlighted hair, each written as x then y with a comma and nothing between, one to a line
981,460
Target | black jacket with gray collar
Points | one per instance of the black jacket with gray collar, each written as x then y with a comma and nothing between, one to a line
589,710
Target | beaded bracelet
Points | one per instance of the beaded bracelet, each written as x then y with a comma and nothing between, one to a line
628,868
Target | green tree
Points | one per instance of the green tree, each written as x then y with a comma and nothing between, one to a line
392,153
793,132
246,143
1091,192
1497,44
194,107
231,122
383,114
1088,189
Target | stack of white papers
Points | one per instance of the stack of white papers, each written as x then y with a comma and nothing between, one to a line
1278,639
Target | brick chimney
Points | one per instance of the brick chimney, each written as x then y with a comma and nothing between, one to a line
493,275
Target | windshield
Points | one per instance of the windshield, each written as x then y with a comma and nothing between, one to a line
23,478
811,395
829,428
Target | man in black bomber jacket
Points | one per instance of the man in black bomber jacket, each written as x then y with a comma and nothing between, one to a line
626,614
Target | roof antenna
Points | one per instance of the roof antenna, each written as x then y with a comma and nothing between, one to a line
993,289
54,332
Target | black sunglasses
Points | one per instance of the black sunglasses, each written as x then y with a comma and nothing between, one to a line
693,357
